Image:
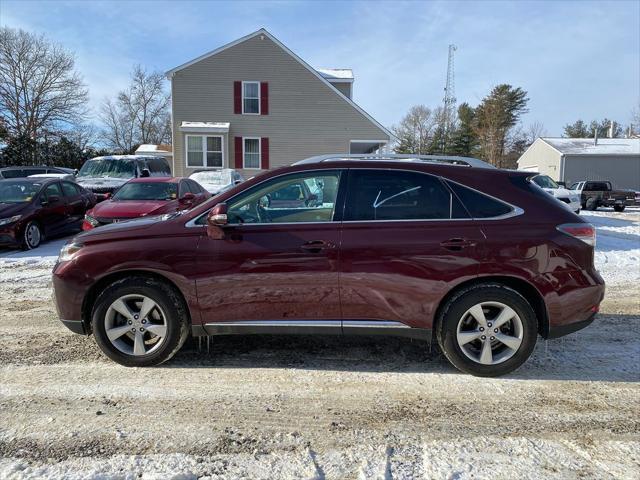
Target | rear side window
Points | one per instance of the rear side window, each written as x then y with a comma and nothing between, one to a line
398,195
597,186
478,204
158,167
12,173
69,189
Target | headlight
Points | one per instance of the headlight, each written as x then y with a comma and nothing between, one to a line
68,251
6,221
91,221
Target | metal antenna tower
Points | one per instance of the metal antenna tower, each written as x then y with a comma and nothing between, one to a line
449,113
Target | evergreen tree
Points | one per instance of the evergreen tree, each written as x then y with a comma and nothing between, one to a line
464,141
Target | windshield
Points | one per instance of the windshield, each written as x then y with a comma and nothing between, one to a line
214,177
147,191
108,168
18,192
545,182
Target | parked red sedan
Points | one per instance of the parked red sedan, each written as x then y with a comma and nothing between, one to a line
482,260
146,196
34,208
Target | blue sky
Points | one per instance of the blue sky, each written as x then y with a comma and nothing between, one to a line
576,59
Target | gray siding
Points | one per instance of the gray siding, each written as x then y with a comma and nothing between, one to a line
344,87
541,155
623,171
306,116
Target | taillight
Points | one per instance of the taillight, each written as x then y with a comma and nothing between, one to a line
582,231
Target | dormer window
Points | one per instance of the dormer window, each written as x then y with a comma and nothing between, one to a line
251,98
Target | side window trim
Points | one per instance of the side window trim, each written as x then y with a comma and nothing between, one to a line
515,210
442,181
338,209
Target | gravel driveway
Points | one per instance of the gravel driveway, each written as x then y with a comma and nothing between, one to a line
317,407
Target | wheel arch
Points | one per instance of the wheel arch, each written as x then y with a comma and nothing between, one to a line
102,283
524,288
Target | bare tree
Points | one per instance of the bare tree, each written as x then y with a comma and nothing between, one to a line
39,87
416,130
139,114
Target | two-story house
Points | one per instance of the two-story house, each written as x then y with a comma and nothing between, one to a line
253,105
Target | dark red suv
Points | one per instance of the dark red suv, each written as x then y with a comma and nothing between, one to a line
480,258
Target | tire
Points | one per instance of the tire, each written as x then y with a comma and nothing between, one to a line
455,325
159,334
591,204
619,208
32,235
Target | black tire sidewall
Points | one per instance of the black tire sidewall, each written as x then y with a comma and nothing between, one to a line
618,208
459,304
159,293
25,242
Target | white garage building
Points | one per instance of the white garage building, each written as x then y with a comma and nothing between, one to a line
570,160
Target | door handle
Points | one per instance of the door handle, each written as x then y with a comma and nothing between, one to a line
457,244
316,246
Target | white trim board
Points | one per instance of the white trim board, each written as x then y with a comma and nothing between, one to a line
264,32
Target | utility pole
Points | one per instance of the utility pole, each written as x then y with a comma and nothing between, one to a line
449,110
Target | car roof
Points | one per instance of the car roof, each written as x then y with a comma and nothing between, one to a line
397,158
155,180
30,179
128,157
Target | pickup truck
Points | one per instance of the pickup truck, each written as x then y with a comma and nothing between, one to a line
601,194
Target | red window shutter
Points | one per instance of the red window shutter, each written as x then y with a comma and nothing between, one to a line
264,150
264,99
238,152
237,97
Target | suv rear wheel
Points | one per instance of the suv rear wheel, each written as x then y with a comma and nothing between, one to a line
487,330
139,322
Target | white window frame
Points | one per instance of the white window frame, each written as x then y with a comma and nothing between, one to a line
259,98
204,151
244,152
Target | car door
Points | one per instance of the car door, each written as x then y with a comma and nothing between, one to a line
405,240
53,213
76,205
276,266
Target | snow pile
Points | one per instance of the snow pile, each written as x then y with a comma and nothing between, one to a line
617,246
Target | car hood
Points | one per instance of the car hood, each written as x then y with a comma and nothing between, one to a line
11,209
101,182
561,192
126,208
121,229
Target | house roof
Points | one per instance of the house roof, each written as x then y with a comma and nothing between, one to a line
336,75
264,32
587,146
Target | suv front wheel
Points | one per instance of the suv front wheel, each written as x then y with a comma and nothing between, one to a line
139,322
487,330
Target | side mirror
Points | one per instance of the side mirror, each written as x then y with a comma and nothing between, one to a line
107,195
187,197
75,172
145,173
237,182
216,220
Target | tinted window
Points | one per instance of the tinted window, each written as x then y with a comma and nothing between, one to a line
287,199
395,195
34,171
158,167
108,167
597,186
69,189
194,187
12,173
18,191
574,186
479,205
545,182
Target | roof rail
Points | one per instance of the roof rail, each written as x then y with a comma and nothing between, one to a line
394,157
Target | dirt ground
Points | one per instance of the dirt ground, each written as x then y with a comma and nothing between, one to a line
318,407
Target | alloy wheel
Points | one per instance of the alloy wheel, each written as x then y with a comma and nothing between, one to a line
490,333
135,325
